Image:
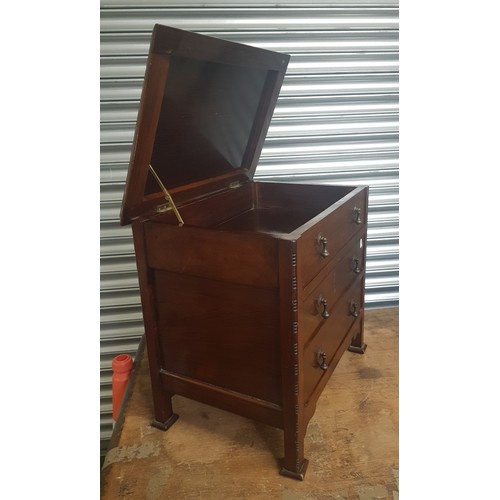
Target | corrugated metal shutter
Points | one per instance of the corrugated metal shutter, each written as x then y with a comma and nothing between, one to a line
336,122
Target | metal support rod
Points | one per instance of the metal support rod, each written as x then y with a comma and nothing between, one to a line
169,198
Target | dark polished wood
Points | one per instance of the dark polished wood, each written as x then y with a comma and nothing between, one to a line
251,303
208,332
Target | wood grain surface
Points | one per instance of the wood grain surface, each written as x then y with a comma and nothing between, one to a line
352,441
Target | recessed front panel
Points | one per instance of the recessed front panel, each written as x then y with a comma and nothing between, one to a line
220,333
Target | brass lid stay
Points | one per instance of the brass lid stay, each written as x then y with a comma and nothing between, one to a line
167,195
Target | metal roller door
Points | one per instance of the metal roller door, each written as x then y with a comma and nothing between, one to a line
336,122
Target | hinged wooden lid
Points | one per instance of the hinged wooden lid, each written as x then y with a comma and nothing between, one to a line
205,110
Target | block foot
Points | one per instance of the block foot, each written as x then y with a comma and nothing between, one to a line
296,475
165,425
357,349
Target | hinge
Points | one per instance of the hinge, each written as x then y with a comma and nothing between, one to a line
163,208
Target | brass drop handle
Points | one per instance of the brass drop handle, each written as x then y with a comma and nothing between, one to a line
356,215
322,302
354,309
323,242
355,265
321,359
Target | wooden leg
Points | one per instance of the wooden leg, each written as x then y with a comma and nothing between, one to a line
357,343
294,464
164,415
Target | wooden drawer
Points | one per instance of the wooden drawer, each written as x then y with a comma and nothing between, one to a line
325,289
320,244
322,347
317,308
350,264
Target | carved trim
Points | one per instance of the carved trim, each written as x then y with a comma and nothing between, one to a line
295,351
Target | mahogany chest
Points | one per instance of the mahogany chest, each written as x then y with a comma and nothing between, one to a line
251,291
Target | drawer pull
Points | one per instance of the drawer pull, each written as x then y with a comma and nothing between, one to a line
356,215
323,241
354,309
321,359
323,303
355,265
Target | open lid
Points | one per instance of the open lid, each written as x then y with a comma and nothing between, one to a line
205,110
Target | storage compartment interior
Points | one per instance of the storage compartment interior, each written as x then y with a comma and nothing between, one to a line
267,220
282,208
260,207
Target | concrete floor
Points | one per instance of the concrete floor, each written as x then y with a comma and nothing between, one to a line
352,441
